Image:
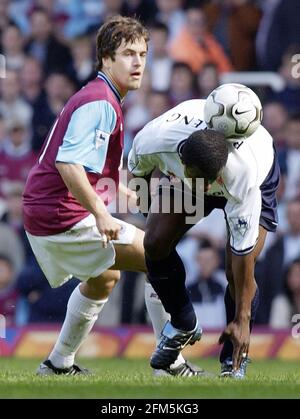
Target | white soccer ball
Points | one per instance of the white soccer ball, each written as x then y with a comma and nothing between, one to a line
233,109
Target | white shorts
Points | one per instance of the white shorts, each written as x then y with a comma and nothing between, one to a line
77,252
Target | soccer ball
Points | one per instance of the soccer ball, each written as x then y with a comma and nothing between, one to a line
233,109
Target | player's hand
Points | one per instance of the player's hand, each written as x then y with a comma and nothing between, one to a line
108,228
239,334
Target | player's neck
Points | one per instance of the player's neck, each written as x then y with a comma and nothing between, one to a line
121,92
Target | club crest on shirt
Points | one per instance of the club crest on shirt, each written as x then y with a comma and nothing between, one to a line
240,224
101,138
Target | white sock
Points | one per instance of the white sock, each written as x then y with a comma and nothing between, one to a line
158,317
82,312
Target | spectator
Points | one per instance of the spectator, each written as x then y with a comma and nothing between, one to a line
289,158
31,80
16,156
289,97
195,46
44,46
275,119
287,303
55,10
144,9
182,86
234,24
136,108
207,293
284,250
157,104
159,64
171,14
45,304
12,47
133,308
283,30
11,246
14,214
112,8
81,15
82,68
8,292
99,12
2,130
58,90
262,37
5,18
12,106
207,80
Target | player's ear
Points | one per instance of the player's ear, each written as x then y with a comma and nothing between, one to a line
106,63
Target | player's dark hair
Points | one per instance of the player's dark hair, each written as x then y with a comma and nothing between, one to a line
111,34
206,151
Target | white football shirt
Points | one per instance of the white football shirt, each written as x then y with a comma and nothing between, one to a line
248,164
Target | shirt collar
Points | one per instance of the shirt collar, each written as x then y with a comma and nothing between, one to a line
103,77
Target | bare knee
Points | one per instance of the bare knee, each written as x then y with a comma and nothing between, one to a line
111,281
99,288
156,248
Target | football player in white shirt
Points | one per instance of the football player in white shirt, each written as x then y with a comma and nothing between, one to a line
244,188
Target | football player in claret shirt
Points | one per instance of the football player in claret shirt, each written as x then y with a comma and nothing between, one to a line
65,216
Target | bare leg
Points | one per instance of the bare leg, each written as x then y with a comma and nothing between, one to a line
84,306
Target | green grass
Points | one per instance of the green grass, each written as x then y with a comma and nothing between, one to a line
132,379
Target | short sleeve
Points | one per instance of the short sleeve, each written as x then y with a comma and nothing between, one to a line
87,136
140,164
243,221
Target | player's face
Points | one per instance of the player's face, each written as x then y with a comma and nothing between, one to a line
127,68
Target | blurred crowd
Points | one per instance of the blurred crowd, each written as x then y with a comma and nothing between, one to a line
48,49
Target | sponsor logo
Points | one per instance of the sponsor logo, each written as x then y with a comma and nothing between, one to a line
240,224
241,113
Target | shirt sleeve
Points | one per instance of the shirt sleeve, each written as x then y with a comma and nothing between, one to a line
87,136
140,165
243,222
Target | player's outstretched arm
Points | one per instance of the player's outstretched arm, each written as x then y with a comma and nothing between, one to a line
238,331
78,184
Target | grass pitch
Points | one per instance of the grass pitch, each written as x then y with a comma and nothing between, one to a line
132,379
